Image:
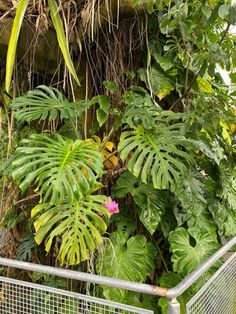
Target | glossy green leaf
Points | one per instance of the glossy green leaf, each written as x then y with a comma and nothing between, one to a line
157,81
123,260
141,109
187,256
224,217
223,10
164,63
190,193
111,86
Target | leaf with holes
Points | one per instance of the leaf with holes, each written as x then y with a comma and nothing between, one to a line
156,156
62,168
46,103
78,227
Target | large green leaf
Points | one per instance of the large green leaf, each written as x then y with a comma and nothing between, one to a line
45,103
228,180
11,52
77,226
152,205
225,218
62,41
157,156
124,260
141,109
191,193
190,248
62,169
157,81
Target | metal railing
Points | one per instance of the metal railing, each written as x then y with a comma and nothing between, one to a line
217,296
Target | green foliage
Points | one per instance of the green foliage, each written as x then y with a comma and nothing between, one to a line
15,32
156,156
229,188
224,218
150,201
191,193
141,109
79,225
16,28
126,259
62,40
190,248
62,169
104,108
157,81
45,103
24,251
170,280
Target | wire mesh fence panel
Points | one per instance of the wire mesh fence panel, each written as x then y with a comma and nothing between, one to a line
218,295
19,297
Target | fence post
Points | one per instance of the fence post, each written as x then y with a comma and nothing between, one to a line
173,306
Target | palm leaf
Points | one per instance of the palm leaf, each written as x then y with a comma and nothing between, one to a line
45,103
158,156
58,25
63,169
78,226
11,52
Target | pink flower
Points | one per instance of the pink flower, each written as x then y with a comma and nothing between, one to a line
112,206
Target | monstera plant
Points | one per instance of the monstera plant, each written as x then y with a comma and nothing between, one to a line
65,174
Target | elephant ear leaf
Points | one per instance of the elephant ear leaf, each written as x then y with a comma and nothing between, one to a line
124,260
78,227
61,168
190,248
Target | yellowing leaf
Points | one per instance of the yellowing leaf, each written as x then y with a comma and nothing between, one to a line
11,52
204,86
109,146
225,133
62,41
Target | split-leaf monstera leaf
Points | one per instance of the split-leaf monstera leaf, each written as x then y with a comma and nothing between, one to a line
46,102
62,169
79,226
156,156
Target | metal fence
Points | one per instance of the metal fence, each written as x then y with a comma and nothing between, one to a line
217,296
19,297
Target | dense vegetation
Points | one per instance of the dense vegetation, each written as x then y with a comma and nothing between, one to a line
132,175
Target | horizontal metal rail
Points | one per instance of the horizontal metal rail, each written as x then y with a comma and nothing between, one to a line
197,273
123,284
